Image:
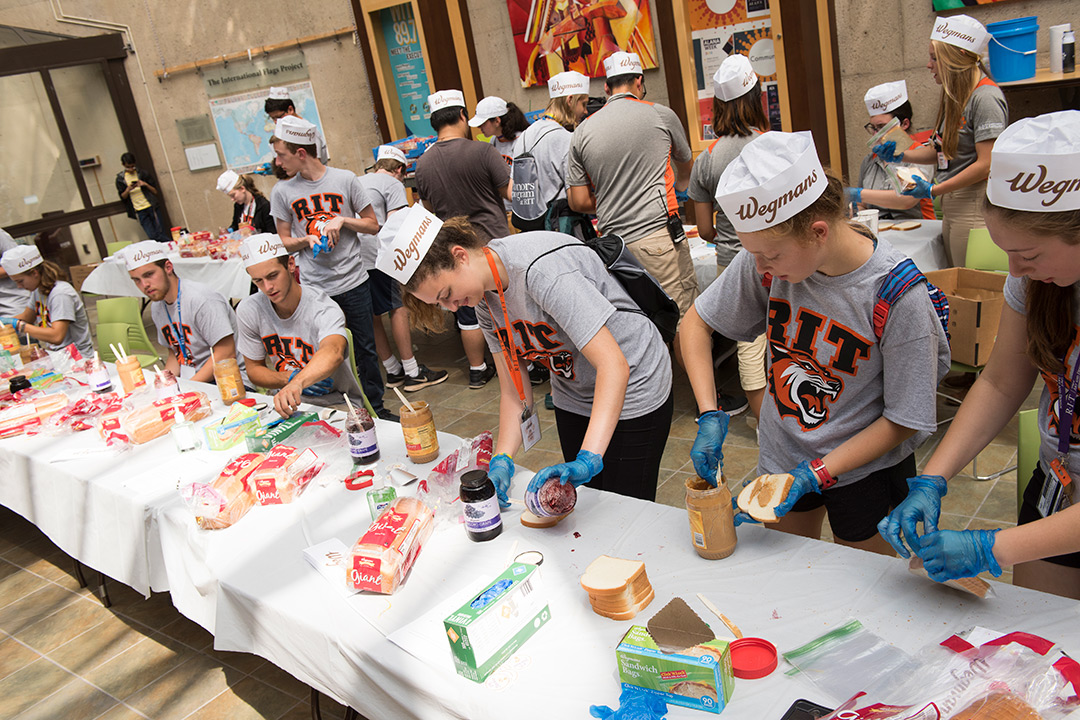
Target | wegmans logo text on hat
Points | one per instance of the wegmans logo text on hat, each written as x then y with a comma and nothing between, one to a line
947,33
884,105
1035,164
1051,189
412,250
767,210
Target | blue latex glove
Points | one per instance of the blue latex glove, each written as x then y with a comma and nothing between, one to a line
924,189
322,246
682,196
323,387
887,152
806,482
953,554
634,704
501,470
852,195
13,322
580,471
922,504
740,516
707,453
264,169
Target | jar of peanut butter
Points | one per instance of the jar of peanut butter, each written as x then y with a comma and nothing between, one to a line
9,339
131,374
418,426
712,521
229,381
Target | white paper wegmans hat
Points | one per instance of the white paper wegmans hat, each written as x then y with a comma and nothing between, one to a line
404,241
962,31
389,152
734,78
260,248
144,253
295,130
21,258
568,83
622,63
279,93
1035,164
487,109
886,97
227,181
446,99
776,176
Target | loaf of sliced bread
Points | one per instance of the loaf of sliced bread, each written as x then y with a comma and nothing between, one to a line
617,588
629,613
760,497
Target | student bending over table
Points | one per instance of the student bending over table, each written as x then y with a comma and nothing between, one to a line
56,315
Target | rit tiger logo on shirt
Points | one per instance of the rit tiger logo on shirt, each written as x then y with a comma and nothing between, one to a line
169,333
317,208
535,343
287,353
804,388
1055,396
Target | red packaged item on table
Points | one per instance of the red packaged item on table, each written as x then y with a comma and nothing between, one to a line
79,415
154,420
284,474
223,502
26,414
380,560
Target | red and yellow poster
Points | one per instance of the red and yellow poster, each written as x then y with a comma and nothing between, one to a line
552,36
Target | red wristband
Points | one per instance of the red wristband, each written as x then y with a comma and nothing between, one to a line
823,475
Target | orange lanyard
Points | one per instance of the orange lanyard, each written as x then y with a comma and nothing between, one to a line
508,349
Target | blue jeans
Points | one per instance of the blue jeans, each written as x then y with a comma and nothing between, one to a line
356,304
151,223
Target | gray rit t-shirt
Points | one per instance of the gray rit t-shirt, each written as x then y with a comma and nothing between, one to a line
569,297
463,177
625,151
386,194
548,142
287,344
704,178
204,317
985,117
829,377
13,299
303,203
64,303
1016,290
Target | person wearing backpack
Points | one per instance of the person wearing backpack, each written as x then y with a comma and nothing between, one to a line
610,368
851,384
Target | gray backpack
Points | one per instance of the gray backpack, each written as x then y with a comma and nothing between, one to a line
526,204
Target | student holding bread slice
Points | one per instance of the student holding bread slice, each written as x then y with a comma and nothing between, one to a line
849,398
54,315
1033,214
546,297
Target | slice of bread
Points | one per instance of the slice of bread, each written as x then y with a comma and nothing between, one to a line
907,225
907,176
616,603
760,498
630,612
611,576
974,585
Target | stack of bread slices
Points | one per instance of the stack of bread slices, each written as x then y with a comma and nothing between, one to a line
618,589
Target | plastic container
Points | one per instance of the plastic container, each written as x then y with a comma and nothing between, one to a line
229,380
165,384
100,381
1012,48
9,339
554,499
380,498
480,506
1068,52
363,443
418,427
131,374
712,521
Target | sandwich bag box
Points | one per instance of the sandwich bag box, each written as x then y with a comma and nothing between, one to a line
699,681
488,629
976,298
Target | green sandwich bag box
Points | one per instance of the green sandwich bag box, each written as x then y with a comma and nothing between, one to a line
699,677
261,440
488,629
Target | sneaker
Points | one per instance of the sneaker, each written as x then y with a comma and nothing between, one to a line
479,378
733,404
385,414
424,378
394,380
548,402
539,374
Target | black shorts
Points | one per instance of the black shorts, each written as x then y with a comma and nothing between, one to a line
385,293
855,510
1029,512
466,318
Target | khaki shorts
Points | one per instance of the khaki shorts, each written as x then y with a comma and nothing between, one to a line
670,264
961,211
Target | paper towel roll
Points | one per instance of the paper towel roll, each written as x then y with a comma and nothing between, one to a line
1056,33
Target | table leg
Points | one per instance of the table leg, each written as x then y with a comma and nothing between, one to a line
78,572
103,591
315,713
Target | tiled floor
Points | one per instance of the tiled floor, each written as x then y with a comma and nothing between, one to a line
62,655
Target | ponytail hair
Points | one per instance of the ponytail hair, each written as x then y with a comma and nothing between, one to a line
49,273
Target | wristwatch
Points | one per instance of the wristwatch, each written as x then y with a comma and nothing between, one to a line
823,475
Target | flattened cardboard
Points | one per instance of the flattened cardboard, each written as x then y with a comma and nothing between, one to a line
677,627
976,298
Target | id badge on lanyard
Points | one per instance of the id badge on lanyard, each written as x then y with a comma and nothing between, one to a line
1057,493
942,161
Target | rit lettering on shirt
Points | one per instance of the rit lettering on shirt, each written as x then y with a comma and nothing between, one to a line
1051,381
317,208
803,387
288,353
169,333
536,342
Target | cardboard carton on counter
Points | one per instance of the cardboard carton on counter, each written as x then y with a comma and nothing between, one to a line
976,298
79,273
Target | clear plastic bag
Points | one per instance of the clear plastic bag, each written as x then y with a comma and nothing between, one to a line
440,489
332,447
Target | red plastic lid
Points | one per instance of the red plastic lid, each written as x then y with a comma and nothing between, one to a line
752,658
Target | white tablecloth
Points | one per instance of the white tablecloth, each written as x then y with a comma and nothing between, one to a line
923,244
228,277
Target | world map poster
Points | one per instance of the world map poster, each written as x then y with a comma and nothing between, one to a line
244,128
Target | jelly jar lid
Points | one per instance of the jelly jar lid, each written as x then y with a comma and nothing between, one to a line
474,479
752,658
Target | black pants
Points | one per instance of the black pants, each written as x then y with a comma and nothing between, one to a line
632,460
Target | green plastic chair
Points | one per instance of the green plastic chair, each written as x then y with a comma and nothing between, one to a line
120,334
983,254
114,247
1027,452
127,310
356,375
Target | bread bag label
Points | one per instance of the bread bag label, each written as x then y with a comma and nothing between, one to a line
366,573
385,529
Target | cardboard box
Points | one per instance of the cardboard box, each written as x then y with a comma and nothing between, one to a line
488,629
703,681
976,298
79,273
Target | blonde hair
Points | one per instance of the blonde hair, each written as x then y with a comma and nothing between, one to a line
49,273
562,110
959,71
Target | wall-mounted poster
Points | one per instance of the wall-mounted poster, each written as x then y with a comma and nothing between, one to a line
408,67
245,129
552,36
940,5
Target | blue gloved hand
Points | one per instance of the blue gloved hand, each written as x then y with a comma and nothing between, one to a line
322,246
953,554
634,704
13,322
887,152
852,195
707,453
740,516
323,387
806,482
922,504
264,169
924,189
682,196
501,470
580,471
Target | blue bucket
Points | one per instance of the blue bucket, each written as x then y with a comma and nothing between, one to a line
1012,48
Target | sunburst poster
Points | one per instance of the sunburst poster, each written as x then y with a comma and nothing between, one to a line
552,36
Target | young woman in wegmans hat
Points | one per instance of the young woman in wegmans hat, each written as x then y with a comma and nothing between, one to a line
250,207
545,297
849,399
1033,214
55,316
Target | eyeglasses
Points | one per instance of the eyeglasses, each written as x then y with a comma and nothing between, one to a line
872,128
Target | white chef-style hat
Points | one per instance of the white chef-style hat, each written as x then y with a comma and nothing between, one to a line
446,99
1033,164
21,258
734,78
776,176
962,31
260,248
144,253
295,130
886,97
487,109
279,93
389,152
568,83
227,181
404,241
622,63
